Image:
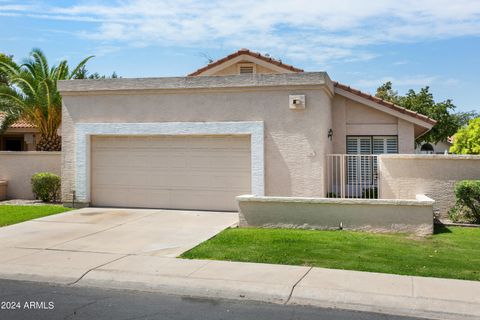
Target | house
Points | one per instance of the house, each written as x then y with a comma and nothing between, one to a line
441,147
20,136
245,124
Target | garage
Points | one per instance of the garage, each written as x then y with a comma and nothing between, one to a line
175,172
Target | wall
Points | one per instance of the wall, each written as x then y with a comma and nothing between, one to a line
415,216
353,118
295,140
404,176
18,167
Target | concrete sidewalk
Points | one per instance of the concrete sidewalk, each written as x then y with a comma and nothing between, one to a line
365,291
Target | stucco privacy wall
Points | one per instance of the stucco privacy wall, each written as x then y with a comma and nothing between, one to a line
295,141
355,119
18,167
415,215
403,176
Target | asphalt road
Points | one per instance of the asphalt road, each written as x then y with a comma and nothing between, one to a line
45,301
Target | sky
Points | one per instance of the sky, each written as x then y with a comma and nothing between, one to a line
412,43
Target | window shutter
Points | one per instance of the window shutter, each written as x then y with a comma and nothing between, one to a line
392,145
359,145
385,145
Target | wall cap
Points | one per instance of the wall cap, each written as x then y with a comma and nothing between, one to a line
203,82
421,200
430,156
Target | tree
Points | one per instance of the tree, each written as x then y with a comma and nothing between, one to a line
467,139
31,94
423,102
84,74
3,76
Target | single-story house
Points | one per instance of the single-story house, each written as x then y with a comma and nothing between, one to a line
441,147
245,124
20,136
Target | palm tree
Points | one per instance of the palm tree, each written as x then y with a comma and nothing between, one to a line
31,94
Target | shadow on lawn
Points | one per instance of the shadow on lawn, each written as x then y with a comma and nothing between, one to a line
440,228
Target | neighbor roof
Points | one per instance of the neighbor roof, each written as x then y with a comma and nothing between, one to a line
240,52
23,124
385,103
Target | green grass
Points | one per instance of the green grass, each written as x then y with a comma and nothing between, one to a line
450,253
10,214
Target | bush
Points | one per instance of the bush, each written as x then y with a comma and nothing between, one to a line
46,186
467,207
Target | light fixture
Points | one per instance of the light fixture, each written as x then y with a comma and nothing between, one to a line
330,134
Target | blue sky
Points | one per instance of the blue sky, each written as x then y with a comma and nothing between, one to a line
360,43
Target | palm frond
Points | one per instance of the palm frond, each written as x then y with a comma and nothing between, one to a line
7,121
78,67
41,60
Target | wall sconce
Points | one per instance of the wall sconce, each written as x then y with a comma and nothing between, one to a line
330,134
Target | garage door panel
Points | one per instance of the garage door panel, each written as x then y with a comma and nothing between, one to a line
184,172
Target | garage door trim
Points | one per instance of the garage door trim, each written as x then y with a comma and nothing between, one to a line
83,131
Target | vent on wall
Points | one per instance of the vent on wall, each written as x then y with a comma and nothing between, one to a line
246,68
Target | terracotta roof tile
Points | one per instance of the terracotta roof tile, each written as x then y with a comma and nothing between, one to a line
385,103
23,124
250,53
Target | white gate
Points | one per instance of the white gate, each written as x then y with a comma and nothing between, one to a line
352,176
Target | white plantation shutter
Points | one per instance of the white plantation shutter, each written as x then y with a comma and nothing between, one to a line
358,168
383,145
363,169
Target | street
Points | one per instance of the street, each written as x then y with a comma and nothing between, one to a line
29,300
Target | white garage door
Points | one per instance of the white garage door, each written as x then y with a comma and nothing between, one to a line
178,172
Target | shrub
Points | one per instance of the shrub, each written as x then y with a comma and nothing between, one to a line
46,186
467,207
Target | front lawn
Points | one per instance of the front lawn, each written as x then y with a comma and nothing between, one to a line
11,214
452,252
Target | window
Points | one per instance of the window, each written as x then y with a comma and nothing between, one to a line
246,68
12,144
362,169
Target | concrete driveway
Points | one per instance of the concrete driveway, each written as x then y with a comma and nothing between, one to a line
75,242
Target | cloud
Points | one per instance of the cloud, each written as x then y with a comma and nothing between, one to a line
302,30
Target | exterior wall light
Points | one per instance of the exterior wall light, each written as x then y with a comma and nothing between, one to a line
330,134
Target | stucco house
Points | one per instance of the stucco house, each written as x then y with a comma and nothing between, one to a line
20,136
245,124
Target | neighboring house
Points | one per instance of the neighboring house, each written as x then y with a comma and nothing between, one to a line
442,147
20,136
246,124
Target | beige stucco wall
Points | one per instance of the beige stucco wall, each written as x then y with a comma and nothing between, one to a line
355,119
415,215
18,167
403,176
295,140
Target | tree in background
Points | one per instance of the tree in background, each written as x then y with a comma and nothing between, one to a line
3,76
422,102
84,74
467,139
31,94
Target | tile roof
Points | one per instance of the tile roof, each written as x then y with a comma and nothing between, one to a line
250,53
23,124
385,103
